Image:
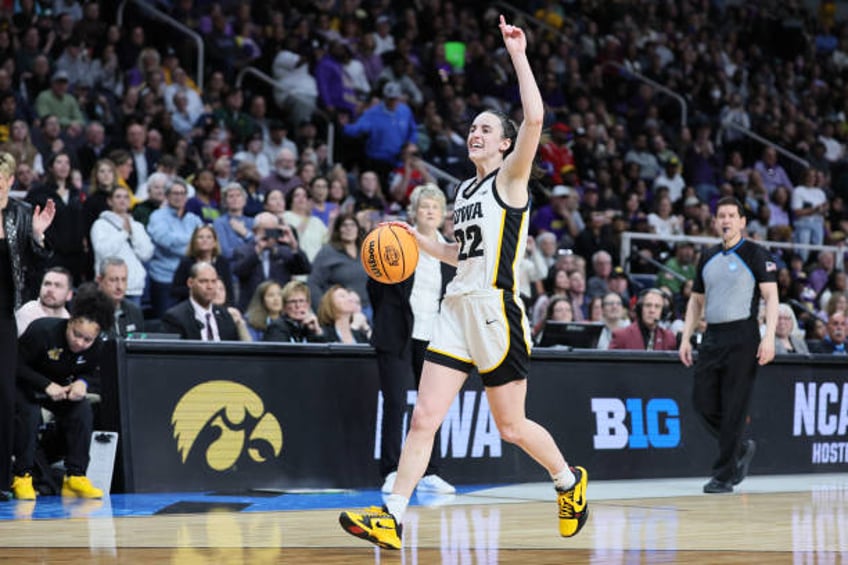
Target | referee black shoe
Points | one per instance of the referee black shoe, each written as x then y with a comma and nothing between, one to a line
717,486
745,461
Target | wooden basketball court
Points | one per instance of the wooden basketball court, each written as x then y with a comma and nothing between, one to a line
779,519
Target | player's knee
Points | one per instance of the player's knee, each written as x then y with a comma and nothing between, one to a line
423,420
511,432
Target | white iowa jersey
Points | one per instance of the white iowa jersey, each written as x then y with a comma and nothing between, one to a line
491,235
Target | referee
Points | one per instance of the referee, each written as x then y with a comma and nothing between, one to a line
730,280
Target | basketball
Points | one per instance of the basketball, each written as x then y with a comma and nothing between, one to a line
389,254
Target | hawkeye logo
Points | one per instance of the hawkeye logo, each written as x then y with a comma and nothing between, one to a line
226,419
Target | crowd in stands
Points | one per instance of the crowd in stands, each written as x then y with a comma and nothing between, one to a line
144,165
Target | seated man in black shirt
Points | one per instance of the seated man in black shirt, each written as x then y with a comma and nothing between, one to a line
57,362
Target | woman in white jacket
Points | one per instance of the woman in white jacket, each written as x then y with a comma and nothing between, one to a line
116,234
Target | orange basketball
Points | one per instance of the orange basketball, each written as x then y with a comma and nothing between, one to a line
389,254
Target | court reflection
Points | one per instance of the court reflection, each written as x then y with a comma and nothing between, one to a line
820,526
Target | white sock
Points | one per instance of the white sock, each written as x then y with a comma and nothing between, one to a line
565,479
396,505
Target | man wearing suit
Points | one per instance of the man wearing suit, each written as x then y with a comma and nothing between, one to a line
197,317
112,280
645,333
274,254
93,149
144,158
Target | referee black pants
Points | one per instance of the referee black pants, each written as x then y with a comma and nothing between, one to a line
724,380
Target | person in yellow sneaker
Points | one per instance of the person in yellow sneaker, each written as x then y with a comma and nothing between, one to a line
56,361
482,322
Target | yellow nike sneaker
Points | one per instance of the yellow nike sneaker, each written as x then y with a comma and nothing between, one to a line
374,524
573,507
22,487
80,487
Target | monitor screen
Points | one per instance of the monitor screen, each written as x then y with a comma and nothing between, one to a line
572,334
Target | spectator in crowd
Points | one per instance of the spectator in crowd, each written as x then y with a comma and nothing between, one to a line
273,254
21,147
646,333
323,209
170,228
103,181
66,235
53,296
823,269
833,341
662,220
284,176
154,200
370,196
335,314
112,277
559,216
779,207
275,203
143,157
702,164
117,234
233,227
299,324
197,317
276,141
296,91
649,167
204,246
254,153
837,283
596,309
266,306
58,361
788,338
334,88
410,173
613,318
578,296
311,231
338,262
809,209
555,155
387,126
682,264
671,179
770,174
204,203
557,283
57,102
559,310
222,300
598,284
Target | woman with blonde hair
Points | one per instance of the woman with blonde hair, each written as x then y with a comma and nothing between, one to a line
335,314
203,246
788,338
20,146
21,250
265,307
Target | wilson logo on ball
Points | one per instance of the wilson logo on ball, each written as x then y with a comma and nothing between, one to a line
389,254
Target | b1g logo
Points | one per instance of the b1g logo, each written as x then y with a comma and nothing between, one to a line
636,424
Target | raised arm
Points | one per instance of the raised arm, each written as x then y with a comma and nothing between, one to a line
518,164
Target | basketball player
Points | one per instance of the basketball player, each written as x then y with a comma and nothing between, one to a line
482,322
